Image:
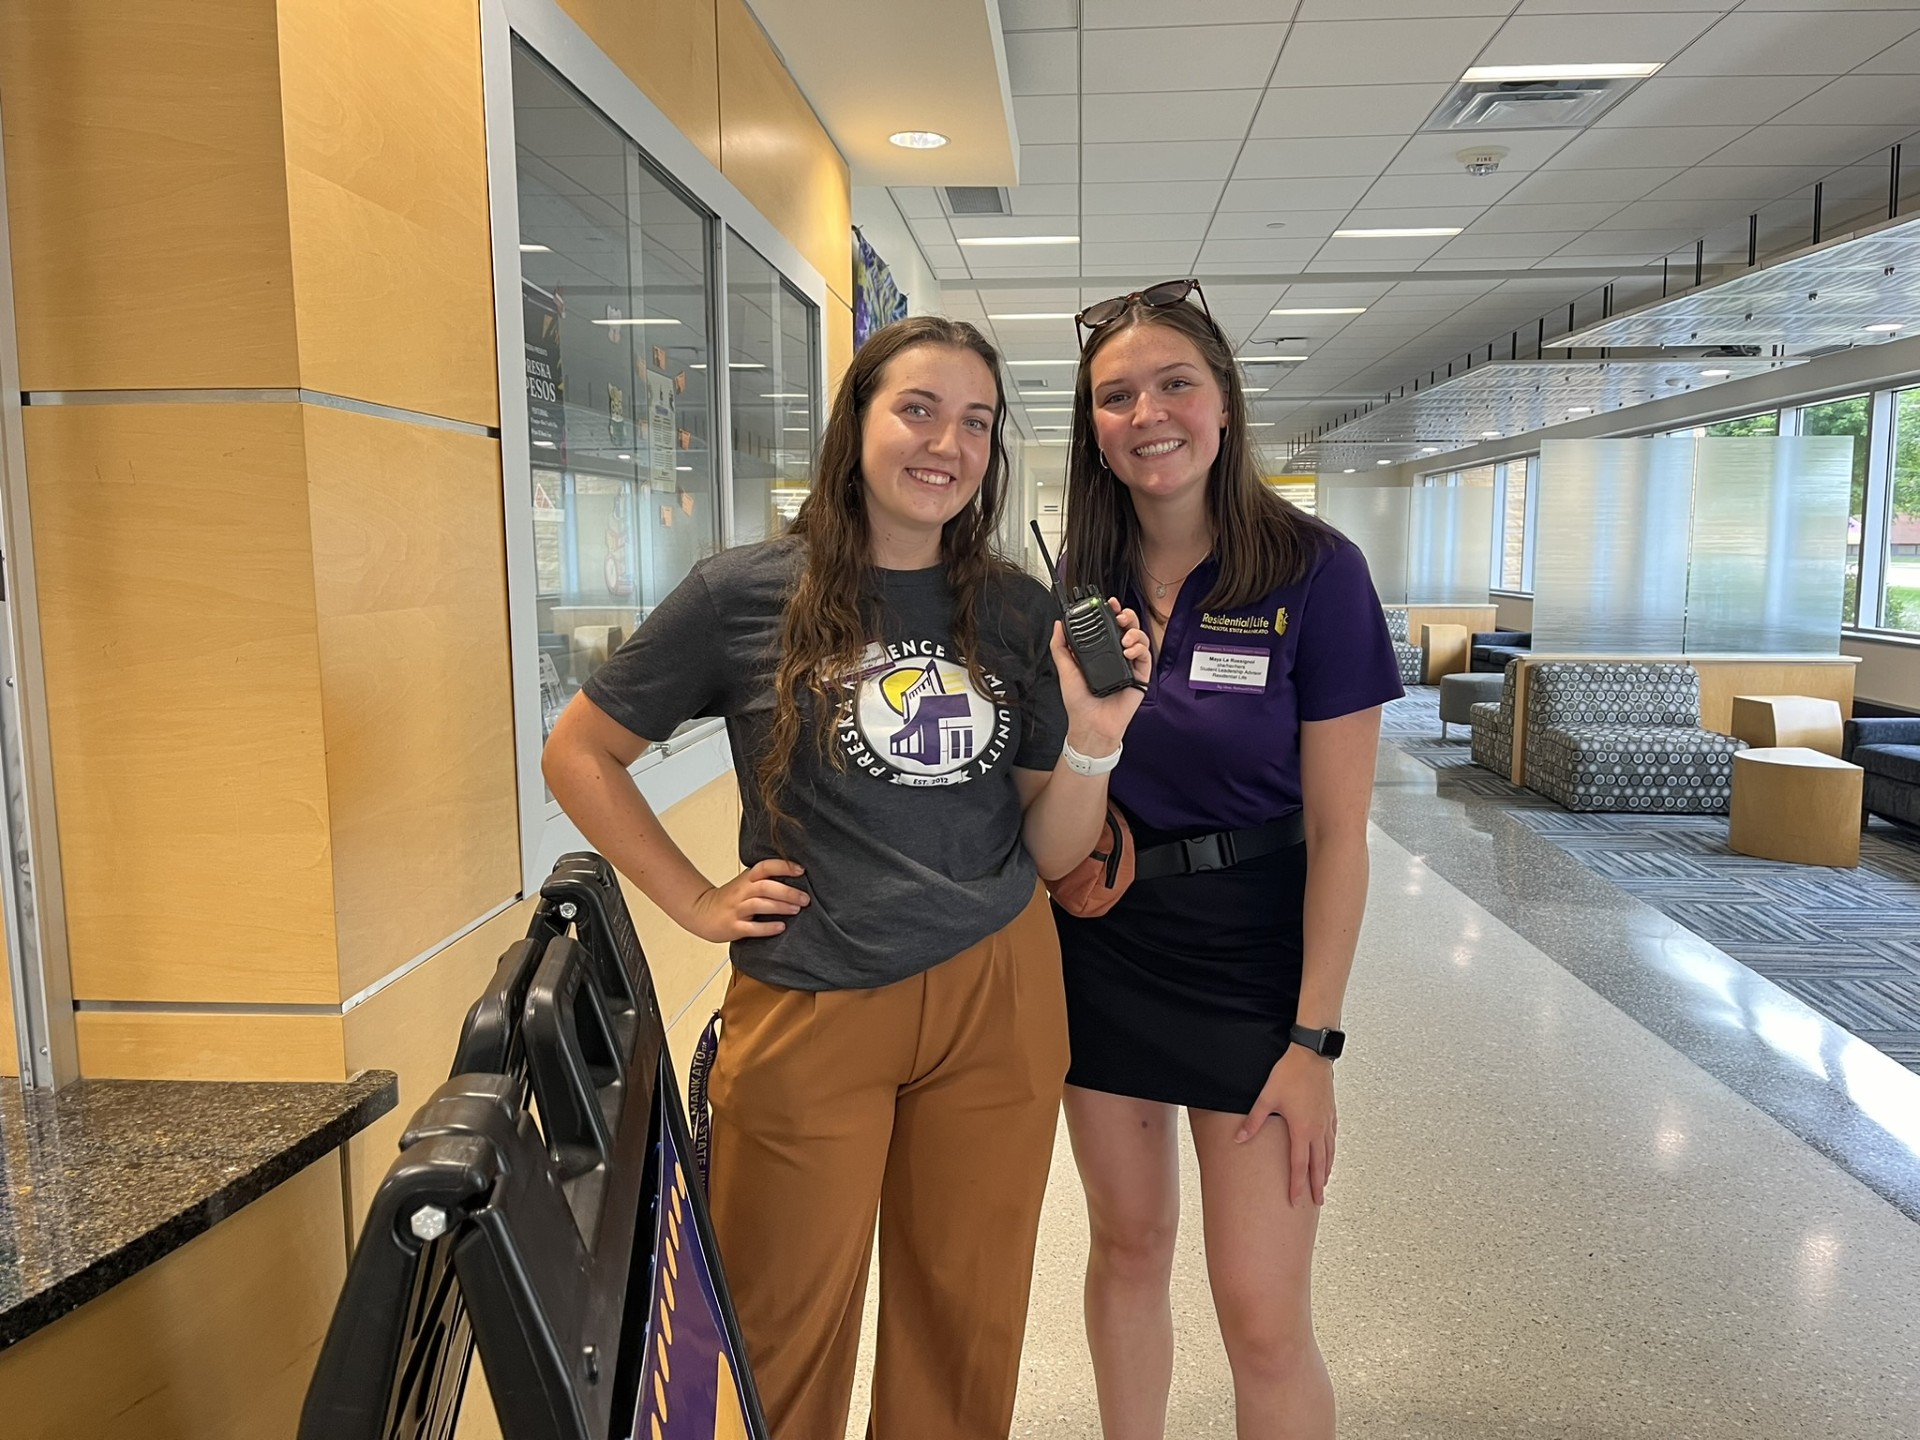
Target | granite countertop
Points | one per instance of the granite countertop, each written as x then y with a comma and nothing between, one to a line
101,1179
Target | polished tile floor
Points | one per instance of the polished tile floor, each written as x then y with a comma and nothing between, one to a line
1595,1180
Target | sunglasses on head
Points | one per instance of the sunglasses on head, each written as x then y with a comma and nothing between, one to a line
1163,296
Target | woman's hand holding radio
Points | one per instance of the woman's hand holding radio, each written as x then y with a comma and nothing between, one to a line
1095,723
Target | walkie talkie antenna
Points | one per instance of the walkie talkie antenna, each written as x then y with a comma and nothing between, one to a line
1053,571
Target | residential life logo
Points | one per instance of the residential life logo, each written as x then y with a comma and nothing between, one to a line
915,718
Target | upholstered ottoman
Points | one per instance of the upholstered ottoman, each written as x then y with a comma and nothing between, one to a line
1460,693
1669,769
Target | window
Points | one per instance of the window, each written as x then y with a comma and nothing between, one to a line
1512,519
1901,574
1767,422
614,290
770,370
1851,416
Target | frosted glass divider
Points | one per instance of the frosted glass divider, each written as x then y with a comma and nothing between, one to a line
1610,546
1374,517
1449,544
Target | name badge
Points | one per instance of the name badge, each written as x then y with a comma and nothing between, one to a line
1236,669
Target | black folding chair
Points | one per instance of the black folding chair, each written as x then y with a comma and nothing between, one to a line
535,1195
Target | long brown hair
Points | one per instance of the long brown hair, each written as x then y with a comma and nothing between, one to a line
1261,541
834,610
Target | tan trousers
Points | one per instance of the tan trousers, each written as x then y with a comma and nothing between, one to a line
932,1101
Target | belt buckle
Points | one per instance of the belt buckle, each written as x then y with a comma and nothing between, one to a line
1208,852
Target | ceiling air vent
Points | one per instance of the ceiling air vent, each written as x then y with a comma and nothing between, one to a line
1526,104
1024,384
977,200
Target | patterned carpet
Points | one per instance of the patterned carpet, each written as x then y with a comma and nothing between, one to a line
1846,942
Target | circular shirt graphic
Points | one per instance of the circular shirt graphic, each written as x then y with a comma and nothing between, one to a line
917,720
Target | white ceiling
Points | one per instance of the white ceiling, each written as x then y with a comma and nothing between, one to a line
1231,144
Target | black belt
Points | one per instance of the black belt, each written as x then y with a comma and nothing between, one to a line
1221,850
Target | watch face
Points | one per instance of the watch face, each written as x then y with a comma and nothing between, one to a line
1334,1044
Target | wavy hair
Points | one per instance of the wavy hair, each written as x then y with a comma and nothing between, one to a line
1262,541
834,610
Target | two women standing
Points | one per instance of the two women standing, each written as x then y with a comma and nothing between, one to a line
913,743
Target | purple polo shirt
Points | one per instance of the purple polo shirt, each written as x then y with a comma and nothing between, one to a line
1216,745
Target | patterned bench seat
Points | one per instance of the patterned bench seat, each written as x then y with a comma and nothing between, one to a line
1493,729
1412,662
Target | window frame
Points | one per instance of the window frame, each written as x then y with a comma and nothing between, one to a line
674,769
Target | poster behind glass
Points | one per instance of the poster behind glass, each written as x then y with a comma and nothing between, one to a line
614,295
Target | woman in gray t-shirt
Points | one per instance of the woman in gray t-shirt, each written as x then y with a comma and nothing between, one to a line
911,745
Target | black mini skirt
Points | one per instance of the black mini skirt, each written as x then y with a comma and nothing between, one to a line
1184,992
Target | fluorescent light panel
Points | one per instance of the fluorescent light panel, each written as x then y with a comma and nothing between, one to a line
1043,362
1271,359
1322,310
1594,70
1399,232
1020,240
1037,315
527,247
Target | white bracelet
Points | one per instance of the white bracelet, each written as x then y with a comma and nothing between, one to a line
1089,764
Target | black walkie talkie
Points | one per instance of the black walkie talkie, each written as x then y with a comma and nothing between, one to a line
1092,632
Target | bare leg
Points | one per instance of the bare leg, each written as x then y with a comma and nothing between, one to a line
1129,1162
1260,1266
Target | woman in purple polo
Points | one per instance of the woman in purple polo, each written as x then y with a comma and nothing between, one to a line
1216,983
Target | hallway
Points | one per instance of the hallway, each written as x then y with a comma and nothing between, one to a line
1546,1221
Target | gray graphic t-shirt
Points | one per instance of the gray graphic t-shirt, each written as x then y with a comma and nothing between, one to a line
911,845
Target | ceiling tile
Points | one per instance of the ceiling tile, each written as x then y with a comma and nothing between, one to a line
1045,199
1047,119
1399,9
1342,264
1162,160
1750,42
1045,63
968,227
1259,224
1578,215
1525,244
1631,146
1049,164
1170,115
1190,227
1167,255
1321,193
1311,110
1901,59
1710,100
1410,247
1382,52
1291,159
1547,187
1859,100
1205,57
1145,14
1640,244
1278,255
1038,15
917,201
1145,197
1830,145
1457,189
1439,154
1737,182
1379,217
1700,216
1612,33
1586,7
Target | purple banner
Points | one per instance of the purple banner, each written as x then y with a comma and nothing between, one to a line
689,1389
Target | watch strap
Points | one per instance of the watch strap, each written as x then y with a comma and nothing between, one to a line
1326,1043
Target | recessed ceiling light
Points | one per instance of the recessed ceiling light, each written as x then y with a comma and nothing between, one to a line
1580,410
1053,427
684,469
1346,472
1260,424
528,248
745,365
1043,362
1323,310
1383,462
1595,70
1271,359
1020,240
636,322
1397,232
917,139
1255,390
786,395
543,445
1711,375
1049,409
626,457
1885,329
1489,434
1430,450
798,429
1037,315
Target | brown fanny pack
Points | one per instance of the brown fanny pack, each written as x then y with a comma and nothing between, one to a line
1095,885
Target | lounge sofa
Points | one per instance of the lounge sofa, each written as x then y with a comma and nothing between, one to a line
1615,736
1492,649
1888,750
1412,659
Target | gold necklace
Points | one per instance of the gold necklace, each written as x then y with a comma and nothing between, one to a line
1159,585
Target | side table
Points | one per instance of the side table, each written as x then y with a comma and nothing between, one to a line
1795,804
1766,721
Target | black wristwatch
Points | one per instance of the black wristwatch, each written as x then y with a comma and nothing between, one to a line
1326,1043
